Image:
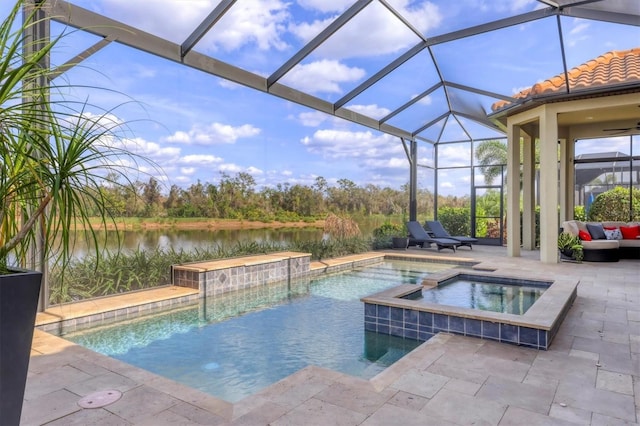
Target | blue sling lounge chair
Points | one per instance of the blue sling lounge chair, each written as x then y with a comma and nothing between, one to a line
438,231
418,236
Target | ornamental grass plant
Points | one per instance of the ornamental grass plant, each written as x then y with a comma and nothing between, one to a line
56,156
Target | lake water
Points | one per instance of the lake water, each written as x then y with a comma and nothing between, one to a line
189,239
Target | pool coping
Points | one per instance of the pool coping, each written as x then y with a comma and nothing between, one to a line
63,318
59,319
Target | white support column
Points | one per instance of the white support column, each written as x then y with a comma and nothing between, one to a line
513,189
549,186
571,176
567,177
564,189
528,193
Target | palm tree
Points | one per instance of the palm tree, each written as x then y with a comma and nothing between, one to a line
491,155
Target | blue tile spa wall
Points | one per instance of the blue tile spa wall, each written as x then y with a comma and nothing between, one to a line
420,325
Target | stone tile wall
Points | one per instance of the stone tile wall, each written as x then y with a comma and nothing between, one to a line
64,326
250,274
419,325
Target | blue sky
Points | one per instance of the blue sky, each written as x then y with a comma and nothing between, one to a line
196,126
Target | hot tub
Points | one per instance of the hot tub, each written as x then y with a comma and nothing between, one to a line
405,311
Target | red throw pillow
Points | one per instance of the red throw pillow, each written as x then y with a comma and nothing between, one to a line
610,228
584,235
630,232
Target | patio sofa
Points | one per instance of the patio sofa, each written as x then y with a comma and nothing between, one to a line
606,241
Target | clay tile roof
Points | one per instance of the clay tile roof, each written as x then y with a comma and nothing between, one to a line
615,67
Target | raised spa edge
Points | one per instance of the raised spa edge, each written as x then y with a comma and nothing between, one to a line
388,312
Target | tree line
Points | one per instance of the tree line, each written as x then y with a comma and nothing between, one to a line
237,197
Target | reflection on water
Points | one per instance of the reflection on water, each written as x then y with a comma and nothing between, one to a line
188,240
235,344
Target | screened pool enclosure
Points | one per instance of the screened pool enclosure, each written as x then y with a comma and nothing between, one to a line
442,80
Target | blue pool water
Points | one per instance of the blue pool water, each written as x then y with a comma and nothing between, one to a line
486,296
234,345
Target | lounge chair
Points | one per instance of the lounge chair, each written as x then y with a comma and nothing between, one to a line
418,236
438,231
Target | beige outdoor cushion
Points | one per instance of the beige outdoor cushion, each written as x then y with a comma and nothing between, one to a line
570,226
582,226
601,244
629,243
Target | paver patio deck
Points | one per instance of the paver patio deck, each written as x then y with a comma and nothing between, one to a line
589,376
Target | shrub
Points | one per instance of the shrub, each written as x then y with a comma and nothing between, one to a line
579,213
383,234
456,220
614,205
284,216
389,229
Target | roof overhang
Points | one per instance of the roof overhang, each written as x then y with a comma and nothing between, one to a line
624,114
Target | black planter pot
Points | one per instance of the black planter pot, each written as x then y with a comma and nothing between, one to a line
400,242
566,254
19,293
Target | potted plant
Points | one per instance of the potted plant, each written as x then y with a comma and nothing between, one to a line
570,246
390,234
54,159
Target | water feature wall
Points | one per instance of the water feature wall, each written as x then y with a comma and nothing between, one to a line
226,275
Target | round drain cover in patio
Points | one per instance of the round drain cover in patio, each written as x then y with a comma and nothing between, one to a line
100,399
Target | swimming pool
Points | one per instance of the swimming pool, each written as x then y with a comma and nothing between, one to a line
236,344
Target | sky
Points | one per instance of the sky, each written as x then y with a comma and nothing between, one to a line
197,126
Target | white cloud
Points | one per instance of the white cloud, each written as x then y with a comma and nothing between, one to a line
322,76
228,84
425,100
399,163
230,168
199,159
325,6
516,90
599,145
140,71
257,22
341,144
306,31
316,118
150,150
312,118
179,137
99,122
579,28
254,171
578,32
503,5
214,133
372,110
385,33
454,155
184,15
187,170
